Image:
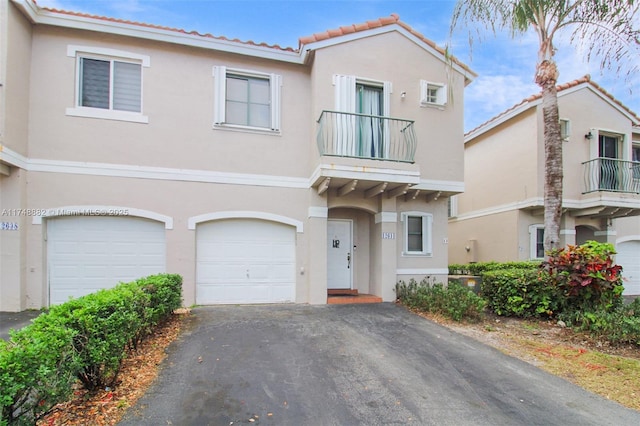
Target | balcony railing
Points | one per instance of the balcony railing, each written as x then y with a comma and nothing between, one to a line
609,174
366,136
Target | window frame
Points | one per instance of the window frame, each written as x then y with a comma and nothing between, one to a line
110,55
565,129
427,233
220,74
533,241
426,98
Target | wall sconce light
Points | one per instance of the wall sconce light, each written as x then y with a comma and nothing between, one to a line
589,135
403,94
468,249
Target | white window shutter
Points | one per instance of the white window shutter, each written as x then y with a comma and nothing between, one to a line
220,94
345,93
386,98
442,95
276,101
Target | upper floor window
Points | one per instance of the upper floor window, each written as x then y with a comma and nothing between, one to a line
417,233
432,93
247,99
108,83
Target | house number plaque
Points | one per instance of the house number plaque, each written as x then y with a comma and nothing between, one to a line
388,235
336,243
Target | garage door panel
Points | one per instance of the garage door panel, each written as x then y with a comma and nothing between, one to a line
85,254
245,261
629,258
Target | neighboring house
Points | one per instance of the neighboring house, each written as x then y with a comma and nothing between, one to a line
500,215
259,173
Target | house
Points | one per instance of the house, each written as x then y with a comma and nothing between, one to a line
261,174
500,215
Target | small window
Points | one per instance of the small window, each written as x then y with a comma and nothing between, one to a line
108,83
417,232
247,99
452,206
432,93
565,129
536,234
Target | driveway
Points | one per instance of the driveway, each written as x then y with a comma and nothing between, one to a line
352,365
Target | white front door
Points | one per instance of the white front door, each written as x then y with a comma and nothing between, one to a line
339,254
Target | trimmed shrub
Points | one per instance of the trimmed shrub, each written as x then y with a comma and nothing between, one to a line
84,339
519,292
38,368
454,301
481,267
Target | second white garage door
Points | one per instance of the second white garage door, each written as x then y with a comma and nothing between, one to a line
245,261
629,258
89,253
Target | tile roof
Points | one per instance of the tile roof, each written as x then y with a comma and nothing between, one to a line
394,18
334,33
560,88
160,27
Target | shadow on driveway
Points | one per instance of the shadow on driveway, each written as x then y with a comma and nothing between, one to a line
352,365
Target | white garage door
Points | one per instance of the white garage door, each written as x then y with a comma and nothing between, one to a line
245,261
629,258
88,253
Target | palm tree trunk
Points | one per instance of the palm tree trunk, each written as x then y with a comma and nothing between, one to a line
546,77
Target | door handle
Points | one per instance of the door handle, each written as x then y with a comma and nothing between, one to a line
348,260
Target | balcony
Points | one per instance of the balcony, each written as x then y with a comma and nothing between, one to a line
364,136
609,174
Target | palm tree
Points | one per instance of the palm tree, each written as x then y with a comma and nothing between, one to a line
609,29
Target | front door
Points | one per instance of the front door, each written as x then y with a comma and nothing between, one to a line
339,254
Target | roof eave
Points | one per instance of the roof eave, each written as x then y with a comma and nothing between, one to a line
305,49
40,16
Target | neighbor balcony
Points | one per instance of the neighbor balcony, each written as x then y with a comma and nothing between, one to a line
370,137
608,174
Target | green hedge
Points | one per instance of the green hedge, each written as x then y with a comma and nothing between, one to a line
84,339
481,267
453,300
519,292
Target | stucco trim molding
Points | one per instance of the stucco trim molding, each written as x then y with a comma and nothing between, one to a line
100,210
423,271
627,238
234,214
386,217
317,211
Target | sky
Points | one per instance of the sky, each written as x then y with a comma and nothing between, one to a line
505,66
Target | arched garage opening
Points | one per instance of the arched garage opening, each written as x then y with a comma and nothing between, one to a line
245,260
89,253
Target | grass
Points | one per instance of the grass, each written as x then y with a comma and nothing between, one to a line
613,377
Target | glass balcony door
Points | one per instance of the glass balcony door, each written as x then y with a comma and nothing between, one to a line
369,128
608,151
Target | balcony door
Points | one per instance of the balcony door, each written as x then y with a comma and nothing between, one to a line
369,130
608,151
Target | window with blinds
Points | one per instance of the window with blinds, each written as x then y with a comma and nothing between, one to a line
110,84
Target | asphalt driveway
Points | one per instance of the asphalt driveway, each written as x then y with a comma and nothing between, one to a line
352,365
